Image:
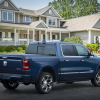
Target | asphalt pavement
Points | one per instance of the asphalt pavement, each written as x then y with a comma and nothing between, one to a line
76,91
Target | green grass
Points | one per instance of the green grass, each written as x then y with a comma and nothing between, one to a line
12,53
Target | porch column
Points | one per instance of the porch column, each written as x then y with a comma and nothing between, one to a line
39,35
45,35
60,36
69,34
15,36
50,36
33,34
14,17
28,36
89,36
0,15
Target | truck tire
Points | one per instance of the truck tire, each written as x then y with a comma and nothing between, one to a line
10,85
96,80
45,83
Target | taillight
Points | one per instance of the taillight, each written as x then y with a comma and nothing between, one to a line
26,65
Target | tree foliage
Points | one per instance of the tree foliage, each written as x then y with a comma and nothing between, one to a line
75,8
74,39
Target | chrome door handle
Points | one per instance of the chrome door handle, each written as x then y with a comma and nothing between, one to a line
66,60
82,60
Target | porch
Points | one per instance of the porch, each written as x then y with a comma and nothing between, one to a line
19,36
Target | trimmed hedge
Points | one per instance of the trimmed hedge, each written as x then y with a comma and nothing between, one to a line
11,48
74,39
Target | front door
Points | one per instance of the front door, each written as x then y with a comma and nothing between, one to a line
70,68
87,63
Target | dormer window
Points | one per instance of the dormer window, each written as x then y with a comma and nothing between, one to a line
6,4
50,11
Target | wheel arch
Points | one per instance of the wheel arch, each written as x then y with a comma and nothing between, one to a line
48,69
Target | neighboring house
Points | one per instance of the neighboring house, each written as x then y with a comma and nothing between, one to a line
21,26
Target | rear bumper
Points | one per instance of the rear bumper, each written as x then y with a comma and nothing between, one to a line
15,77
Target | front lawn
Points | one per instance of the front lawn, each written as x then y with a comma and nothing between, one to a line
11,53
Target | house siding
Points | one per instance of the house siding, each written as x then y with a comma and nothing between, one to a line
10,7
47,13
40,26
94,33
97,25
16,17
64,35
44,19
82,35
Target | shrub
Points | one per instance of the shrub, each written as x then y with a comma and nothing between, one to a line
94,47
2,49
19,49
89,48
10,48
75,39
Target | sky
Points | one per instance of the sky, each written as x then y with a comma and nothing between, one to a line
32,4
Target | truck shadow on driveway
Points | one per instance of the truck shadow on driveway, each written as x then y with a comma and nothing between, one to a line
57,88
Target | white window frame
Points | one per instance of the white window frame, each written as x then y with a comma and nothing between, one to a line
7,16
6,4
25,19
55,21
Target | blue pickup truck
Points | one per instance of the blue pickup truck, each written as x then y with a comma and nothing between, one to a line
46,62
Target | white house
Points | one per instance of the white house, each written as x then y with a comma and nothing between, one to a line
21,26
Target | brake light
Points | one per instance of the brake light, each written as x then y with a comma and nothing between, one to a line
26,65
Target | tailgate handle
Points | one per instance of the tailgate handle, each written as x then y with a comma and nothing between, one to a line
66,60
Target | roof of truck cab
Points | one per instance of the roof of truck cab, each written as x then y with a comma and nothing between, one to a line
54,43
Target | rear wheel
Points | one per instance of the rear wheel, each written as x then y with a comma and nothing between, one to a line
45,83
10,85
96,80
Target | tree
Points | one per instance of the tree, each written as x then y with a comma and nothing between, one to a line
75,8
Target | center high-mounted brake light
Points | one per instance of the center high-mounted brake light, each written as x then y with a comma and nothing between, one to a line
26,65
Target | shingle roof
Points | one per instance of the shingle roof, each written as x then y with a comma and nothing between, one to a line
38,12
33,12
80,23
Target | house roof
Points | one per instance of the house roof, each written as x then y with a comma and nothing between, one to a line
33,12
26,11
40,11
80,23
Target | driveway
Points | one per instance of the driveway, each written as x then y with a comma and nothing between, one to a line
76,91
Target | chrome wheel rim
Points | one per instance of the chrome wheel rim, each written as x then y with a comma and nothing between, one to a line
12,84
98,78
47,83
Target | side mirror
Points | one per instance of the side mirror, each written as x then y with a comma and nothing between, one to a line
91,54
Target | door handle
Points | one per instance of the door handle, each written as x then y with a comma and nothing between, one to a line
66,60
82,60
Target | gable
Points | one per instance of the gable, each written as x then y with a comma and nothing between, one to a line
97,24
54,13
41,26
10,6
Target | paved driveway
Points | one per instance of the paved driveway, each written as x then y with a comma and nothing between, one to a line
76,91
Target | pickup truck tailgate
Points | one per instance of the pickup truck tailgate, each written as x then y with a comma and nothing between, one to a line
11,64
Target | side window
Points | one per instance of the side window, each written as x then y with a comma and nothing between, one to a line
68,50
82,51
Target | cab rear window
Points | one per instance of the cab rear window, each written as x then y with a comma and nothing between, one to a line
41,49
